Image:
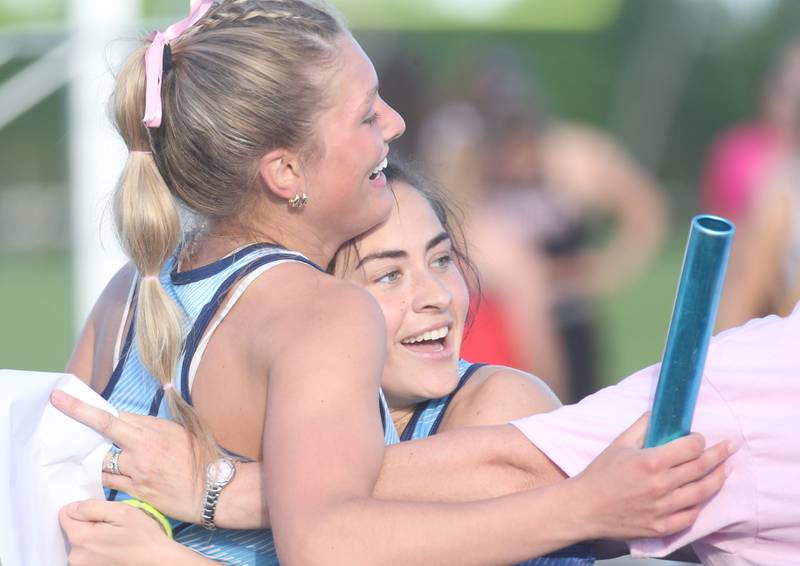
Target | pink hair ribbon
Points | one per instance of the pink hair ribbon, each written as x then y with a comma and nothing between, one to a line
154,61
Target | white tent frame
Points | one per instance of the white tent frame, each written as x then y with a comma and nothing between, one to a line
83,58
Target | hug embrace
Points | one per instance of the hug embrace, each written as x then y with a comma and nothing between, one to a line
289,371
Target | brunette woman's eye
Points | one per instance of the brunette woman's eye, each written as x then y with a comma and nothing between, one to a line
389,277
443,261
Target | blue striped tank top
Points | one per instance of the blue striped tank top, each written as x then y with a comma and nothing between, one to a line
425,421
206,295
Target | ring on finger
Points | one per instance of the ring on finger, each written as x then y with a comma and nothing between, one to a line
113,463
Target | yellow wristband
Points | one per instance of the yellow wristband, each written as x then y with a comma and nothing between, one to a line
153,512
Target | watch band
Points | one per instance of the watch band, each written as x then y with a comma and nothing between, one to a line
213,489
210,500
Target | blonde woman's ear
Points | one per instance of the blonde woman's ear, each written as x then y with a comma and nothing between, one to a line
280,172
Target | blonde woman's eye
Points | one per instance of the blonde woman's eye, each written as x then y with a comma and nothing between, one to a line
371,119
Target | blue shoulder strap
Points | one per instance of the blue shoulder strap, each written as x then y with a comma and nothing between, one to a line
210,309
408,431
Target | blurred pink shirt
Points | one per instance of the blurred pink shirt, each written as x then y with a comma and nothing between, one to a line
750,394
735,169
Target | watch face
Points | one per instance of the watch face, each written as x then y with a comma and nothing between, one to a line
221,471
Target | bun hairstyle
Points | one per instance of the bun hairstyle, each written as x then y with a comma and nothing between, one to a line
248,77
449,215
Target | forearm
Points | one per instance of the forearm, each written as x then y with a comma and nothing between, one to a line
456,466
464,465
241,504
503,530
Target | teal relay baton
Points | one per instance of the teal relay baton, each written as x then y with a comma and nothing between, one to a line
693,317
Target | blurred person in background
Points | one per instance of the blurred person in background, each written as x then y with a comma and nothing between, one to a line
764,273
573,217
743,158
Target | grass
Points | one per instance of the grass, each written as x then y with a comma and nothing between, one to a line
36,332
635,320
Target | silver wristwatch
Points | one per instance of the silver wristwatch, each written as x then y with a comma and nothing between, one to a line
218,475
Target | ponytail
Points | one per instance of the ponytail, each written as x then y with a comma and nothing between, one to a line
149,230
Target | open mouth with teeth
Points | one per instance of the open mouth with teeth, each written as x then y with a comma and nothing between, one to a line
430,342
378,171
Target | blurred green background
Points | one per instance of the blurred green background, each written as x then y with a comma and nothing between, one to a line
592,59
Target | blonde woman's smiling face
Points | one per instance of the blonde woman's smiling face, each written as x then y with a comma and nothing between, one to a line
346,185
408,265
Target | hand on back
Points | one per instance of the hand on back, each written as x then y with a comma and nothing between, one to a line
156,463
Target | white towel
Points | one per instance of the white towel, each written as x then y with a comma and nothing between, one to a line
46,461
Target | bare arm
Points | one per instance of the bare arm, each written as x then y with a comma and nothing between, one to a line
81,361
91,359
601,178
466,464
463,463
496,395
754,272
457,465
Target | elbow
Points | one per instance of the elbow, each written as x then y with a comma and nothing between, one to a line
304,548
320,541
300,551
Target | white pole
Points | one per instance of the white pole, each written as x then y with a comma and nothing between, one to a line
96,152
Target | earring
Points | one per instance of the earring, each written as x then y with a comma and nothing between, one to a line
298,201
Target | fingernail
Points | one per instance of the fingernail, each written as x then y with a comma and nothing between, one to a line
57,396
71,508
732,447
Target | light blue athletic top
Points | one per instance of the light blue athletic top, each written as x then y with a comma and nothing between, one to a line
428,415
425,422
206,295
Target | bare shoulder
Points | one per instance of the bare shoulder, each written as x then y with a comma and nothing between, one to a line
108,311
497,395
115,294
298,294
295,307
92,356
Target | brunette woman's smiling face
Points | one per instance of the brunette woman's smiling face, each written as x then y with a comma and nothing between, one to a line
408,265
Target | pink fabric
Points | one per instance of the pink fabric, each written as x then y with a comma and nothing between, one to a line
735,167
154,61
750,394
